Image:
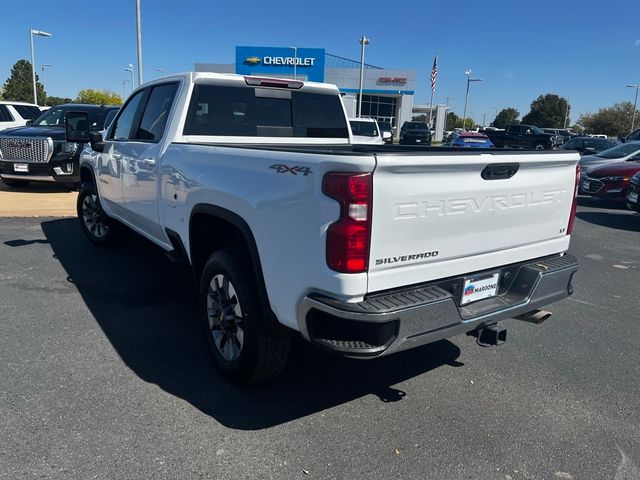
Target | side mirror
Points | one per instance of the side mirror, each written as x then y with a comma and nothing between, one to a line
29,122
76,126
97,142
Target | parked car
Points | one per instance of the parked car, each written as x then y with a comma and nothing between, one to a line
523,136
39,153
279,233
469,140
633,196
387,131
586,145
16,114
415,133
610,182
633,136
365,131
561,132
620,153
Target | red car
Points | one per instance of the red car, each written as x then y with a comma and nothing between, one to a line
610,182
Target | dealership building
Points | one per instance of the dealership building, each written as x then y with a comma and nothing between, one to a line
387,93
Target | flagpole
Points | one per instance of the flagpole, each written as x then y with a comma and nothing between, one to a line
433,91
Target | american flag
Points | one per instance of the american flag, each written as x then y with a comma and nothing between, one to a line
434,74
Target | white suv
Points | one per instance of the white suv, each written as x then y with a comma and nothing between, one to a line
16,114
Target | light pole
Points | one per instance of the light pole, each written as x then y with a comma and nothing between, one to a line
466,97
566,114
43,66
124,93
295,60
161,70
447,100
139,30
363,41
40,33
130,70
635,103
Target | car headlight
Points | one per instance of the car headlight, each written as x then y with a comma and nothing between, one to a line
69,147
616,179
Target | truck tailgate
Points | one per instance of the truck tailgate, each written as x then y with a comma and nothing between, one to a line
435,216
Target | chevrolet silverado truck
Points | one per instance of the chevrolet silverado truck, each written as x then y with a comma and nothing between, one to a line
524,136
38,151
290,229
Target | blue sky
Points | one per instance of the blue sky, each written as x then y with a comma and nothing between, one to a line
521,49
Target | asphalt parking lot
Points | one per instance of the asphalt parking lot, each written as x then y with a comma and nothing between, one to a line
104,375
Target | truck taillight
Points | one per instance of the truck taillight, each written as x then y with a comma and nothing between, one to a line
574,205
348,239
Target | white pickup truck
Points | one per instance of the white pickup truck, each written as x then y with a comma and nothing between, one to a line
288,227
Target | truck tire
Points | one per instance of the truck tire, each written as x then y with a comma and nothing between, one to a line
96,225
15,183
245,350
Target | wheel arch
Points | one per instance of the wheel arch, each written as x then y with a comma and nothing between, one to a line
86,174
205,225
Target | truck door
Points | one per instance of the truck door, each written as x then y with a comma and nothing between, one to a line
140,159
110,161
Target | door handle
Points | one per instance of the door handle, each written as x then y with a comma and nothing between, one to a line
500,171
150,162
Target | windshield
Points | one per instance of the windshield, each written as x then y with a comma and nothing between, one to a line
364,129
54,117
620,151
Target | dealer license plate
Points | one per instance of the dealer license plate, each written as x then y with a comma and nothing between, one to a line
479,288
418,140
633,197
21,167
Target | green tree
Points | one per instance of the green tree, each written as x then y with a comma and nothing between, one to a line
547,111
467,124
98,97
614,121
505,117
451,121
54,101
19,85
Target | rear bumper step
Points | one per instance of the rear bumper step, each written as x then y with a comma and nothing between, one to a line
397,320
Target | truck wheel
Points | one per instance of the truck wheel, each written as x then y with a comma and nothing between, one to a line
96,225
233,322
539,146
15,183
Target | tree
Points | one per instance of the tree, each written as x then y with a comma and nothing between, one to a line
467,124
54,101
19,85
547,111
451,121
613,121
419,118
98,97
505,117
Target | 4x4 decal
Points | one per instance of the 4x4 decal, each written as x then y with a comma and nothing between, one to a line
280,168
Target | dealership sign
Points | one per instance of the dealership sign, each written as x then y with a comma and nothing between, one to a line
280,61
392,80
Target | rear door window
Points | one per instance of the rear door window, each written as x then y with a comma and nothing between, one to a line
156,112
27,111
241,111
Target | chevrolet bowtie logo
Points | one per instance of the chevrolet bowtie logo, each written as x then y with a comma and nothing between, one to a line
252,60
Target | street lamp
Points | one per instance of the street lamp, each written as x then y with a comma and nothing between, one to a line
124,83
139,31
295,59
363,41
43,66
635,103
466,97
40,33
161,70
130,70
